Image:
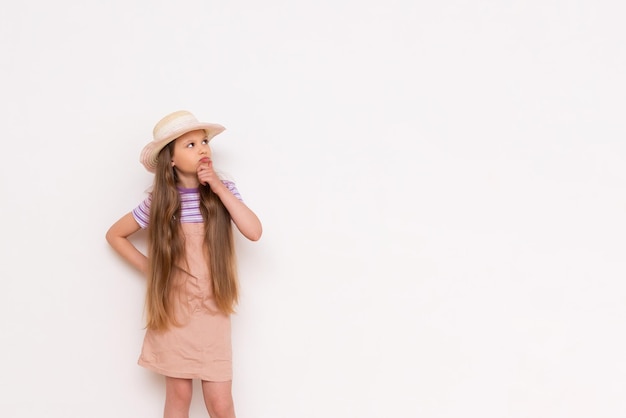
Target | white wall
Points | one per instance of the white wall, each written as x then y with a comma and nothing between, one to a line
441,186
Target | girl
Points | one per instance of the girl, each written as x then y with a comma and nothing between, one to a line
192,282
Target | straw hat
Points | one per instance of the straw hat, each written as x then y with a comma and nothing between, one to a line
168,129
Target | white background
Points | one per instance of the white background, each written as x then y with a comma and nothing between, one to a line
441,186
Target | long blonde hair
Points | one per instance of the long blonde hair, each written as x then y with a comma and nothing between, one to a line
166,248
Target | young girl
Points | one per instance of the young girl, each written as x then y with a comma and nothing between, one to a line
192,281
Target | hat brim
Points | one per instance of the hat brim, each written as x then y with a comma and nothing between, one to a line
150,153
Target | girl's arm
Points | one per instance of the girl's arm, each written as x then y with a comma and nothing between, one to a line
246,221
117,236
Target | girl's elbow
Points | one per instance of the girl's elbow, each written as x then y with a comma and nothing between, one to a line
255,235
112,236
109,236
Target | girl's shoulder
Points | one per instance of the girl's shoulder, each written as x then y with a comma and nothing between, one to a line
141,212
230,185
229,182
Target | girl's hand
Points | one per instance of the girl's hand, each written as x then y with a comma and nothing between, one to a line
206,174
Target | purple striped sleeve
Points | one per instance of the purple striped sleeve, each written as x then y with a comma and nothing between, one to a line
232,188
142,212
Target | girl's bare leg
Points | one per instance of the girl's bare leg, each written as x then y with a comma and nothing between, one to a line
218,399
177,397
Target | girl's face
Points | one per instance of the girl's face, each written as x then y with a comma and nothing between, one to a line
189,151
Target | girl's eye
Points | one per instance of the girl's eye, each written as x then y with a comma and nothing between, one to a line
205,141
190,145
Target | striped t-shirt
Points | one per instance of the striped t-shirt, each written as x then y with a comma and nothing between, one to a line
190,205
